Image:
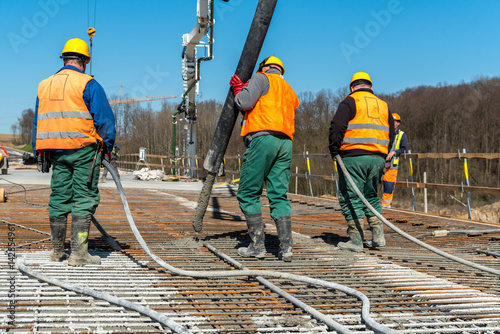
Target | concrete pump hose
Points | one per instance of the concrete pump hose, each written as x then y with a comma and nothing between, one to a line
406,235
102,295
315,314
365,310
203,202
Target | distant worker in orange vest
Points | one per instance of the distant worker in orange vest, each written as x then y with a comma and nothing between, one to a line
361,132
399,146
72,119
268,103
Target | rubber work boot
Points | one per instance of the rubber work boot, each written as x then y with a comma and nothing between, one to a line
356,235
284,227
58,234
80,256
377,227
256,233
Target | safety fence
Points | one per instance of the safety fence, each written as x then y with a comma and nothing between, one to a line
317,174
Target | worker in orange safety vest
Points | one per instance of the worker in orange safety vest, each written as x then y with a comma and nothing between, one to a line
361,132
72,120
268,103
399,146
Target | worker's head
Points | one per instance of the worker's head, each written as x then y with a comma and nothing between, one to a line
76,51
397,120
360,80
271,62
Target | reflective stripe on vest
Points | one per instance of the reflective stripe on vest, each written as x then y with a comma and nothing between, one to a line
396,145
369,129
63,120
274,111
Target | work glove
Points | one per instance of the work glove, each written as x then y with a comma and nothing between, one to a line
236,84
43,162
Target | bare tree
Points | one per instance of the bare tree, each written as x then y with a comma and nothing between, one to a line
25,127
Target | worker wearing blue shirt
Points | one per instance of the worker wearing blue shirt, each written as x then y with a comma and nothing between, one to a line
72,119
97,103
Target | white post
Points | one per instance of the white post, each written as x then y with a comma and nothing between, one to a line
296,179
425,193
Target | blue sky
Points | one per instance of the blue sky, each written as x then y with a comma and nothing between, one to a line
138,44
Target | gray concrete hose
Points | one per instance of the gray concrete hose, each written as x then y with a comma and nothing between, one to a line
102,295
406,235
365,310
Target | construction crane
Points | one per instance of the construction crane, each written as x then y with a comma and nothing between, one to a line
140,99
91,33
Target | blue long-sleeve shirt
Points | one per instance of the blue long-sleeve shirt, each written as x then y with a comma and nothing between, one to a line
97,103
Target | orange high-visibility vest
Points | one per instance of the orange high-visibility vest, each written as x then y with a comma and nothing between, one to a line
274,111
369,129
63,120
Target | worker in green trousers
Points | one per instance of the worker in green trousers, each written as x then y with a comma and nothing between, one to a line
268,104
361,132
72,119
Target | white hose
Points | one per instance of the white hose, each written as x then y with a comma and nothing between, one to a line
406,235
365,310
102,295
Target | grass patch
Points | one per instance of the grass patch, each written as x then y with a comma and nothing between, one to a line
26,148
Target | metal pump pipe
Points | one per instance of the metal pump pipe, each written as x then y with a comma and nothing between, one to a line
248,59
190,42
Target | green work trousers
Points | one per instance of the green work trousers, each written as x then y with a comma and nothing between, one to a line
366,172
268,159
70,191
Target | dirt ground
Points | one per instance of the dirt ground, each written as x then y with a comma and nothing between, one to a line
486,213
6,140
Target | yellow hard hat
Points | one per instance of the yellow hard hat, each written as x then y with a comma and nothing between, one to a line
272,61
77,45
360,76
396,117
